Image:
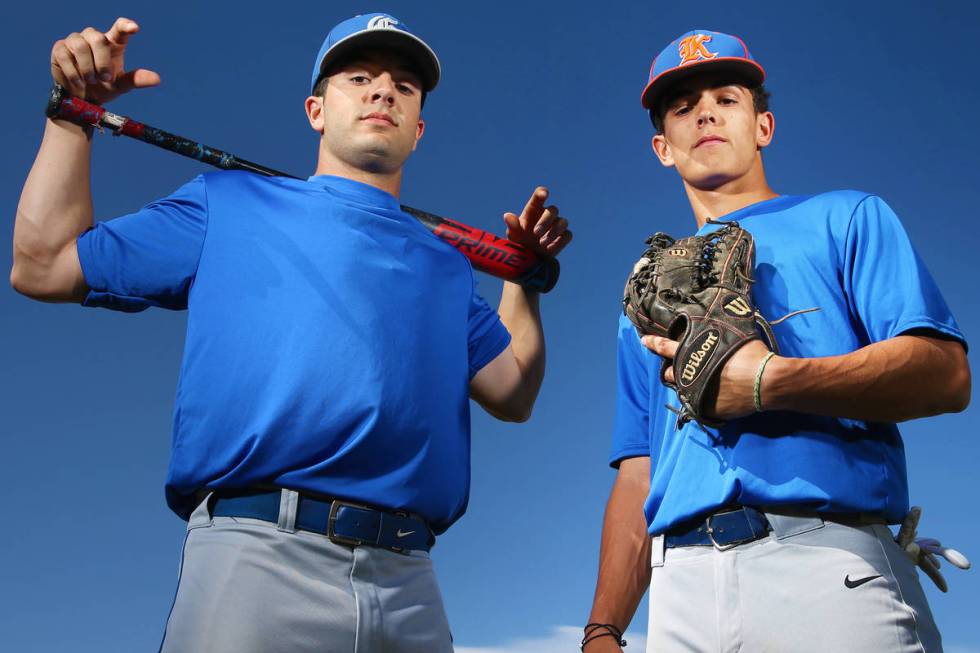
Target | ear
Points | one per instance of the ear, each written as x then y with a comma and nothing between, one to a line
662,149
314,112
419,130
765,128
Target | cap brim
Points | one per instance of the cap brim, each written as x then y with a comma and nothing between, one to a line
424,60
744,69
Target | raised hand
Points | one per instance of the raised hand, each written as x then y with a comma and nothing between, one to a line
90,63
539,227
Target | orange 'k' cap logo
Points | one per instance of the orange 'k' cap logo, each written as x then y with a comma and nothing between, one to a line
692,48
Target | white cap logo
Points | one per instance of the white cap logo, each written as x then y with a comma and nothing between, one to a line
382,22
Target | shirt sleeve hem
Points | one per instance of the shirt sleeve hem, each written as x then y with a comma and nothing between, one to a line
90,273
933,325
491,353
630,452
124,303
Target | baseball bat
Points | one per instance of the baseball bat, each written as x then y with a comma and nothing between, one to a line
487,252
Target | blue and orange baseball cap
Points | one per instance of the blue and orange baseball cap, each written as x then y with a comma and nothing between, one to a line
695,52
377,31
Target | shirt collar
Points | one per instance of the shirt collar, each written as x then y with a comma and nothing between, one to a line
356,190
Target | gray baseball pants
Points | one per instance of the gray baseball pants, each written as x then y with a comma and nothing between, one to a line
809,586
248,585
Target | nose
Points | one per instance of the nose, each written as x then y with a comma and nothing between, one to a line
705,115
384,90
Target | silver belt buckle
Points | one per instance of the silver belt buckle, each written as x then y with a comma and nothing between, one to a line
711,532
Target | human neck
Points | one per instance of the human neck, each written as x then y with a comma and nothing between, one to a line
717,201
389,182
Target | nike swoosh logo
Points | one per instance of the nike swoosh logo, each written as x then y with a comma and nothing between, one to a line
851,584
401,533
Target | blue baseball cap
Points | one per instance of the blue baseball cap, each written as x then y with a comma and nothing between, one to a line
377,31
697,51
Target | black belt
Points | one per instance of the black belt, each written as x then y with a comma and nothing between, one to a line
723,530
345,523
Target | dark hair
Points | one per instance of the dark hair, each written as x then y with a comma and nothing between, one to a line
760,102
321,82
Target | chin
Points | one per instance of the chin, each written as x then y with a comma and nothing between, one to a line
373,153
711,181
715,183
713,175
380,161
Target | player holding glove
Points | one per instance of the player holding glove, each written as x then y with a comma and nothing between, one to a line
769,531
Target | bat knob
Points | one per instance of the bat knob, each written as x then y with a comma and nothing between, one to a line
57,94
543,276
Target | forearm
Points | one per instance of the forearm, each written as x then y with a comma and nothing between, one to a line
520,312
894,380
508,386
55,205
624,557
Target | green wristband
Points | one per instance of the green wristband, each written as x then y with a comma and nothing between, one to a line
757,391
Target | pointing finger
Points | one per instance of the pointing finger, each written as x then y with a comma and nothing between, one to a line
121,30
534,208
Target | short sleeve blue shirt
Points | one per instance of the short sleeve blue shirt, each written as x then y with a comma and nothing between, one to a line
330,341
846,253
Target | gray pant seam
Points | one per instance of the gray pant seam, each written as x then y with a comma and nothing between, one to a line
180,575
357,604
738,605
376,604
898,587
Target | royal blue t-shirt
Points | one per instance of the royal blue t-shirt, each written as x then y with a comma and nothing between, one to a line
846,253
331,338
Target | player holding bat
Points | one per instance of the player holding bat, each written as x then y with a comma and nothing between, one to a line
757,511
321,432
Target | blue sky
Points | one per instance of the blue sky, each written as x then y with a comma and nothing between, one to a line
877,96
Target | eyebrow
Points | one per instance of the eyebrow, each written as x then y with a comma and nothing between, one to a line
682,92
403,71
371,61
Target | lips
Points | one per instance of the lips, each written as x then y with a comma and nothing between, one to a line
377,115
711,138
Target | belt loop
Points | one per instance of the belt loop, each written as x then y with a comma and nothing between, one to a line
202,514
657,551
787,525
288,503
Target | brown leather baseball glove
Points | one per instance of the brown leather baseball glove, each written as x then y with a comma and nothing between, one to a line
697,291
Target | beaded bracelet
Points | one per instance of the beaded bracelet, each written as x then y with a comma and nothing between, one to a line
610,631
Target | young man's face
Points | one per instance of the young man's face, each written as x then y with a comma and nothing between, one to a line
711,132
370,113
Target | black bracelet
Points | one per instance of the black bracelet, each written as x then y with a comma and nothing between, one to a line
608,630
